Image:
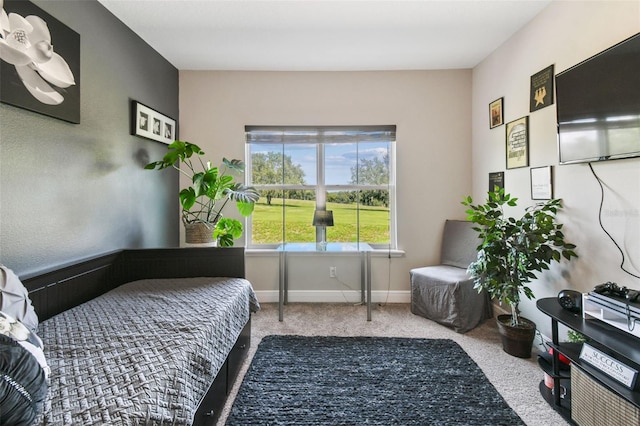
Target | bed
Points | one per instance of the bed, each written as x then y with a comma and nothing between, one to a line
153,337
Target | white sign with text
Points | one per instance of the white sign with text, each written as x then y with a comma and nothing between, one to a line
609,365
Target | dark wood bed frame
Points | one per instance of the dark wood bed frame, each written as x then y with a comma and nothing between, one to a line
56,290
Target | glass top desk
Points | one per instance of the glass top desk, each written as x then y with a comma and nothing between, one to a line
363,249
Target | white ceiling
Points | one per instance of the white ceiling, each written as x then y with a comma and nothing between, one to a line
324,35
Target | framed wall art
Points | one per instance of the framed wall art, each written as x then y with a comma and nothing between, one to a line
496,114
496,180
45,80
517,142
541,89
151,124
541,183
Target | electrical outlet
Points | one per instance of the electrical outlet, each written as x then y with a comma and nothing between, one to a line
332,272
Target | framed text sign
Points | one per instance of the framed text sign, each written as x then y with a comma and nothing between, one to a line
518,143
151,124
541,89
609,365
541,183
496,180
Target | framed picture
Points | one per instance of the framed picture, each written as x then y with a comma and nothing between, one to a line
49,86
151,124
496,116
518,143
541,183
496,179
541,89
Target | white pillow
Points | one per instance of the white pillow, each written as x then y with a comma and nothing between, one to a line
14,299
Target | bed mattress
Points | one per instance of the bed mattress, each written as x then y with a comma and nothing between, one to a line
143,353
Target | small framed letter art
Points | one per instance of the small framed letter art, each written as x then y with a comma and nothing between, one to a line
496,116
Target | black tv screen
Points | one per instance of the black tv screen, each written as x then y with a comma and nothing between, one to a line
598,106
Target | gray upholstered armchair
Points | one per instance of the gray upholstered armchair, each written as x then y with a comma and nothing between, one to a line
444,293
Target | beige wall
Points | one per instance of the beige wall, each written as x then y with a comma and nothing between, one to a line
564,34
438,114
432,111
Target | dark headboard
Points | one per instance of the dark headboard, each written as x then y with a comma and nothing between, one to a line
57,290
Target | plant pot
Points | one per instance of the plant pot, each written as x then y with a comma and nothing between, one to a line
516,341
198,233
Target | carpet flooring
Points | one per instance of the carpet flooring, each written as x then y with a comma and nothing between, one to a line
327,380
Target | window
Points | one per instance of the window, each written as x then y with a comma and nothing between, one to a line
297,170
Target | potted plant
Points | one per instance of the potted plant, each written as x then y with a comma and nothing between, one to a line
210,190
510,252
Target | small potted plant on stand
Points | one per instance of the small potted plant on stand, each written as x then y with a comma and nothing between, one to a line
509,253
210,190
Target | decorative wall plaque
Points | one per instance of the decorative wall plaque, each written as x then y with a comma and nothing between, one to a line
39,62
518,143
609,366
496,179
541,89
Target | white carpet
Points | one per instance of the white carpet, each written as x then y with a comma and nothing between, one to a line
516,379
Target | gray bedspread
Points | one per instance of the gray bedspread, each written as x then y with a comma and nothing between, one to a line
143,353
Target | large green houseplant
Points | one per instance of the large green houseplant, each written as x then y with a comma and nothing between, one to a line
512,250
210,190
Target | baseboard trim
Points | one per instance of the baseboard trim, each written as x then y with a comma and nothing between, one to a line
500,310
334,296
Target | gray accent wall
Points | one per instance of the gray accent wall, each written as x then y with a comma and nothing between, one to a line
71,191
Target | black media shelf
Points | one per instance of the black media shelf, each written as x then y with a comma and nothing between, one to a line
623,346
606,336
564,375
564,409
547,367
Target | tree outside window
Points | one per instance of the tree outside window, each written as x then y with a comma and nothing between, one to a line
298,170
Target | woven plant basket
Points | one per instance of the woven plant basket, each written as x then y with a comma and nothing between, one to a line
198,233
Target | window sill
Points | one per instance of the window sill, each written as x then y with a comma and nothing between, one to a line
374,253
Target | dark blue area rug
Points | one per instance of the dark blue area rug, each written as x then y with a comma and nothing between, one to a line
296,380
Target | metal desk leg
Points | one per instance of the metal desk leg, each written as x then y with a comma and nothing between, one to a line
285,271
363,278
369,286
282,290
366,280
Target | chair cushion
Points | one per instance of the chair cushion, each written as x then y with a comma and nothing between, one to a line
459,243
445,294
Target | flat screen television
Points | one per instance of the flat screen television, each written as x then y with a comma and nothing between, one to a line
598,106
